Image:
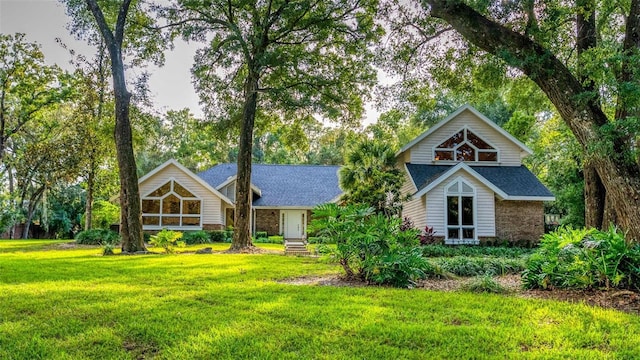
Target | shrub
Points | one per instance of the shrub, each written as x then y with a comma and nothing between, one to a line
217,235
463,250
584,258
476,266
97,237
167,240
485,284
107,249
196,237
428,236
370,246
261,235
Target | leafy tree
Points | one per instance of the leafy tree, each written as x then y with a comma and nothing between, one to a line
109,19
27,86
594,89
370,177
278,57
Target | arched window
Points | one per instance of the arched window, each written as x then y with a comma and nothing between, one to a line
465,146
171,206
461,222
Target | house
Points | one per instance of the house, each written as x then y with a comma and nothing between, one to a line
175,198
466,180
464,176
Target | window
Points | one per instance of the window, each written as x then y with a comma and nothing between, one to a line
171,205
465,146
461,227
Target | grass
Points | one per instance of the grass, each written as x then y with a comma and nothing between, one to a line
75,304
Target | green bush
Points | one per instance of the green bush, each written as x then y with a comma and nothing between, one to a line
261,235
476,266
269,240
216,235
485,284
463,250
97,237
196,237
370,246
167,240
584,258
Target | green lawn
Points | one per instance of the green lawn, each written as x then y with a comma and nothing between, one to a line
75,304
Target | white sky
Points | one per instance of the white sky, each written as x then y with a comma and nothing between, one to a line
45,20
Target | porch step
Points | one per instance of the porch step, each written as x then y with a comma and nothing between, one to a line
296,248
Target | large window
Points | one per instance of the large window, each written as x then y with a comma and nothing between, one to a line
465,146
171,206
461,224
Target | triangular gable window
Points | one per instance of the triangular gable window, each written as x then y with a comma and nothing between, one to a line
465,146
173,206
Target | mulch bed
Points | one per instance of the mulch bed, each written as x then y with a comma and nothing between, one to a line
623,300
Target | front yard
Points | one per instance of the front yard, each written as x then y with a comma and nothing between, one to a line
62,302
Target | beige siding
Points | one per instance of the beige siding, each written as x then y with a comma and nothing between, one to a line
414,209
509,153
211,204
485,206
229,191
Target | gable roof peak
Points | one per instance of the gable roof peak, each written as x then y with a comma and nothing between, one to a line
454,115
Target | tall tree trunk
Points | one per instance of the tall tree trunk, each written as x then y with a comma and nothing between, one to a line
242,220
130,207
31,210
594,190
621,179
89,206
594,197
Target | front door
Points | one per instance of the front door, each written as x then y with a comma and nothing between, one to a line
293,223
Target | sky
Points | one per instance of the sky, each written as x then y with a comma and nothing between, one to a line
45,20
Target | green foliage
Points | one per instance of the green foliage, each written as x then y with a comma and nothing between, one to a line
105,214
276,239
476,266
463,250
261,235
97,237
9,213
584,258
220,235
107,249
196,237
370,246
484,284
168,240
370,177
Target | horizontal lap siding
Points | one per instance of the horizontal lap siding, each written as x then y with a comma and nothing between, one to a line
485,206
422,152
413,209
211,204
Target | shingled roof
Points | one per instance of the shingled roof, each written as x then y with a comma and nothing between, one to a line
515,181
283,185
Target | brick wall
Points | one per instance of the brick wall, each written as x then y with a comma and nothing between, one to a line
518,221
212,226
268,220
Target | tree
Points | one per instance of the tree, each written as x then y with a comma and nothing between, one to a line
278,57
27,86
370,177
90,19
595,90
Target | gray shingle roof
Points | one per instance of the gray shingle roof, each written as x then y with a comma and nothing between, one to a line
284,185
513,180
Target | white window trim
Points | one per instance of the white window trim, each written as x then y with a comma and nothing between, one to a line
447,241
464,129
181,215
